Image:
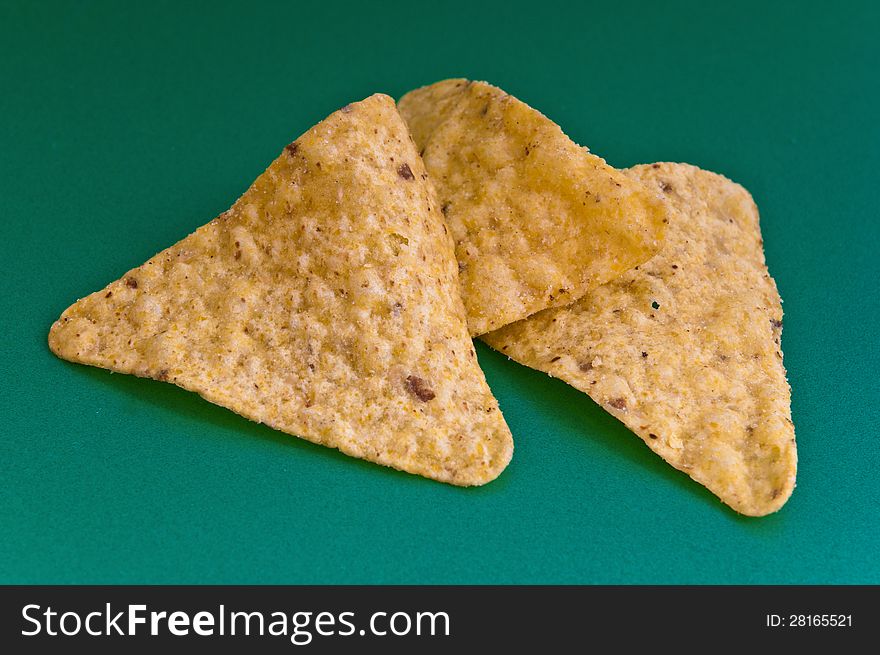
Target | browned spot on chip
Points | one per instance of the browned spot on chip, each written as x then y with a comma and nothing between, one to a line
419,388
108,294
131,283
618,403
291,148
586,366
405,172
162,375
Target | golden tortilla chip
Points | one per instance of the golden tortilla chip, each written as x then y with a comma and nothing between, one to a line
685,349
324,303
537,220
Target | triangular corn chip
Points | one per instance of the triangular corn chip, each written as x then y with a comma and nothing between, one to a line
324,303
685,350
537,220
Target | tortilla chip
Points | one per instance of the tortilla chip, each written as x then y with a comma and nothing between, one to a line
685,350
425,109
537,220
324,303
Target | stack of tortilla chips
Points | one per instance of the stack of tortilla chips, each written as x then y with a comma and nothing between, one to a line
337,298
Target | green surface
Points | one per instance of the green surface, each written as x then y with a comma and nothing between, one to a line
123,129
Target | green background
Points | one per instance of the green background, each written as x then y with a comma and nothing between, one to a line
123,129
